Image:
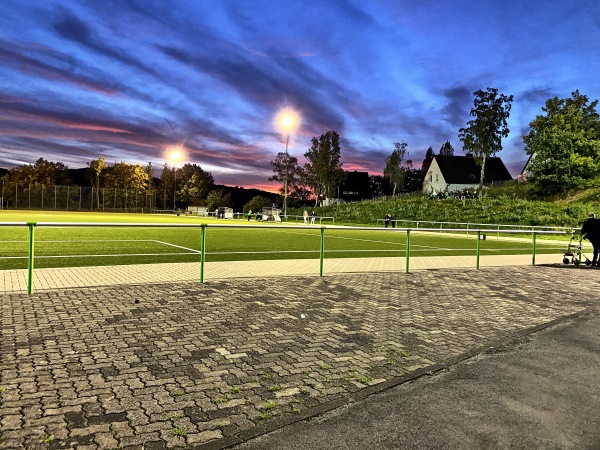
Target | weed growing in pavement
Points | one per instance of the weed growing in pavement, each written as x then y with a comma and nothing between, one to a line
176,416
223,399
2,388
274,388
235,389
47,440
405,353
264,416
220,426
296,410
248,402
325,366
297,400
178,392
270,405
363,379
179,432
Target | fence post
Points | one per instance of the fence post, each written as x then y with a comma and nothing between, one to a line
202,252
30,255
478,248
407,250
533,257
322,252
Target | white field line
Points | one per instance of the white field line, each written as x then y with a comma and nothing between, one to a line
179,246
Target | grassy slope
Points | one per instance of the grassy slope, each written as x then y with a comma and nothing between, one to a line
506,205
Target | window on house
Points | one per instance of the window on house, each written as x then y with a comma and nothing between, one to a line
436,177
430,178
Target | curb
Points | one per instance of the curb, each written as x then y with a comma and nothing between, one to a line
278,423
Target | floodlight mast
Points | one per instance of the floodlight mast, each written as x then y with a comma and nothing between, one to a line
175,156
286,121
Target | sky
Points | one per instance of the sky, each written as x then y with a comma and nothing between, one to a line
132,79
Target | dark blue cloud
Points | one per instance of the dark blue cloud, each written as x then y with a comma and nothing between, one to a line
79,78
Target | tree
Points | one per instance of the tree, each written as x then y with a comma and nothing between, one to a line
95,174
483,135
564,144
257,203
429,154
377,185
447,149
282,164
217,198
42,173
323,171
394,166
196,182
126,176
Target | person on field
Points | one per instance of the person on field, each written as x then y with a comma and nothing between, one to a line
387,218
313,216
305,215
249,214
591,231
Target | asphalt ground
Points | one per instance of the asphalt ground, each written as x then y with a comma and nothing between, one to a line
190,365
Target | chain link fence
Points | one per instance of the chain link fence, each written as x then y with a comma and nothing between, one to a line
76,198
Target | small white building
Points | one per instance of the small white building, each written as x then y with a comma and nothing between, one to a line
456,173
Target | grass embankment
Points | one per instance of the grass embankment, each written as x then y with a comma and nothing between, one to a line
498,206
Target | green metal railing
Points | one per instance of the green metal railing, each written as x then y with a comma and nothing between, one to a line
481,233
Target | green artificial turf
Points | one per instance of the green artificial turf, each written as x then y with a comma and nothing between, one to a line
64,246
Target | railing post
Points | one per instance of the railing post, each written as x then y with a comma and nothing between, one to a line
202,252
478,248
407,250
31,226
322,252
533,257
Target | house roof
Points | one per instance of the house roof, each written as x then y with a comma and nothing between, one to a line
464,169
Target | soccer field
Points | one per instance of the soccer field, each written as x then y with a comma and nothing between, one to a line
64,246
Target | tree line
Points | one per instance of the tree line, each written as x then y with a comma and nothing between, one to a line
563,144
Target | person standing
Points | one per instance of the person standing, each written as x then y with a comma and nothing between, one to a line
305,215
249,214
313,216
591,231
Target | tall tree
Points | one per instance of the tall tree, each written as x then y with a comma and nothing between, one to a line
323,171
196,182
285,167
96,170
429,154
564,144
394,166
447,149
483,135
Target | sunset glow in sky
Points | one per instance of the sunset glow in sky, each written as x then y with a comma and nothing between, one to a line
131,80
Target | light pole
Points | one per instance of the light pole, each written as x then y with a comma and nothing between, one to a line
175,156
286,120
287,123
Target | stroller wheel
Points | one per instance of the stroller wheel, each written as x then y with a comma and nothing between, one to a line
587,262
565,260
576,262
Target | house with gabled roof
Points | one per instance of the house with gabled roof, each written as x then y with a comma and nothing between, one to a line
456,173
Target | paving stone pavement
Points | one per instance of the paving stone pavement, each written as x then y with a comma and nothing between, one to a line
183,364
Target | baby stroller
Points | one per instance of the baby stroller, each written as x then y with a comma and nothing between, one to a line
573,254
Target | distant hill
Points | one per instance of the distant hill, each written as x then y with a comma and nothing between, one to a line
240,196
